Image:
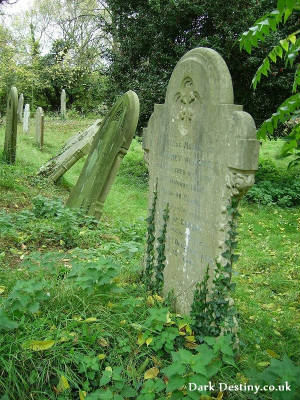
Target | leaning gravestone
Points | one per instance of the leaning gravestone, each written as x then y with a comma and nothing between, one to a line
63,104
10,143
107,151
75,148
20,107
202,152
26,118
39,127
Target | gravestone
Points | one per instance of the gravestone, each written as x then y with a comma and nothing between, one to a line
202,152
63,105
20,107
107,151
26,118
75,148
10,143
39,127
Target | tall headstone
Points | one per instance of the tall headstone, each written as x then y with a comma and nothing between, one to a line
75,148
26,118
107,151
20,107
39,127
10,143
63,104
202,153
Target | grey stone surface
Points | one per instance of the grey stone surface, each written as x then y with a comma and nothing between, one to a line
63,104
75,148
109,146
20,107
10,142
202,151
39,127
26,118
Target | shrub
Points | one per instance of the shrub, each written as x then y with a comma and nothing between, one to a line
274,185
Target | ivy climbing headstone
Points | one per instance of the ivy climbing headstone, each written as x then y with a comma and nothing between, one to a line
20,107
109,146
202,153
10,143
26,118
39,127
63,104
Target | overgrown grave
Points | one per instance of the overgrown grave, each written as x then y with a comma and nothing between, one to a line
10,143
202,153
109,146
63,104
20,107
39,127
26,118
74,149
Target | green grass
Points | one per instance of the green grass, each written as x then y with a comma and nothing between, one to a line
41,247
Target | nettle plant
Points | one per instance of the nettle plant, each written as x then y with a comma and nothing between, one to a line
153,274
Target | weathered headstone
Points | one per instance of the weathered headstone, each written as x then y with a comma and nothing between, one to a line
26,118
202,153
39,127
10,143
75,148
107,151
63,104
20,107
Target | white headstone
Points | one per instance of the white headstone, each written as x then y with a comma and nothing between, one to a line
20,107
63,105
26,118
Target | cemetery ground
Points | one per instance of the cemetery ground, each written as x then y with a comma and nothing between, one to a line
77,331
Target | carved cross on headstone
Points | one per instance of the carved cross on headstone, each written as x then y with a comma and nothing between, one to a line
202,151
109,146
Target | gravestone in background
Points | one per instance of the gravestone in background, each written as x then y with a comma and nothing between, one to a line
107,151
63,104
20,107
26,118
75,148
202,152
10,143
39,127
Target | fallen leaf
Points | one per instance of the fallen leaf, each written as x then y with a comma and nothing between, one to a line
123,322
91,319
277,333
63,384
151,373
140,340
103,342
38,345
150,301
272,353
190,339
263,364
82,394
158,298
149,340
2,289
101,356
